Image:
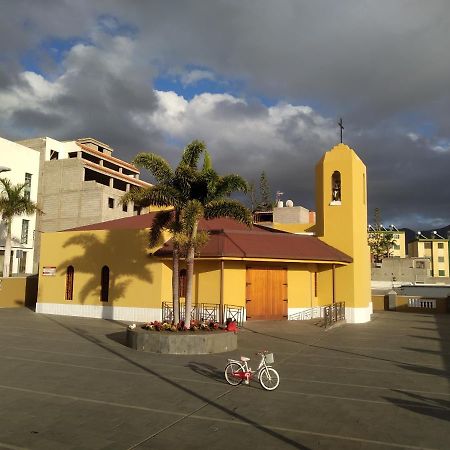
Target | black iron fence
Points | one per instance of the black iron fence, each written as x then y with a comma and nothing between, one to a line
205,311
333,313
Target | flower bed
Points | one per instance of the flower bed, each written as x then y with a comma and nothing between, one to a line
195,325
159,338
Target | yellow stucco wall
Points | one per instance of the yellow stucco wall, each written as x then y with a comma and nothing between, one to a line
234,288
344,225
135,277
12,292
301,285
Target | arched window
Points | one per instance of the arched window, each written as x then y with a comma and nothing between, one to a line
336,186
104,291
69,283
182,282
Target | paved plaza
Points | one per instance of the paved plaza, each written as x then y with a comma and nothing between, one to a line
70,383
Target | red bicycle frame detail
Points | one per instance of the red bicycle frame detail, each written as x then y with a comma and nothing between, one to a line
242,375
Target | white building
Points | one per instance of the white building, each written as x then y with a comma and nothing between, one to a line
23,163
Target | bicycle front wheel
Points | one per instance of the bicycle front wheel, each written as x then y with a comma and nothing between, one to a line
233,372
269,379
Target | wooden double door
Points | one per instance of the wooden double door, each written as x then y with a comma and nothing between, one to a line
266,293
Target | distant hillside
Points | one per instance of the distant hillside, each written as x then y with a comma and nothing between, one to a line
410,235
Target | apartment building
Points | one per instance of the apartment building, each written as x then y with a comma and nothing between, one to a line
20,164
435,248
80,183
398,248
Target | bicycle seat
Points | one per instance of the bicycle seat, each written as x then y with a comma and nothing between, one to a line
244,358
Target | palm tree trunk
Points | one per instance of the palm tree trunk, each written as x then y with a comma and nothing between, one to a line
176,284
7,256
190,275
189,283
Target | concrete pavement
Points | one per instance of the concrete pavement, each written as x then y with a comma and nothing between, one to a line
70,383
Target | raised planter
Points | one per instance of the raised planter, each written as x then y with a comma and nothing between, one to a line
181,343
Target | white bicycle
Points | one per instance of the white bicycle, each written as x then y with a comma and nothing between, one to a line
238,371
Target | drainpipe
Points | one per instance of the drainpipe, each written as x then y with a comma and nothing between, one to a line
221,307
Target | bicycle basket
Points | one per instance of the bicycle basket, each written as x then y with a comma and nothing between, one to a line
269,358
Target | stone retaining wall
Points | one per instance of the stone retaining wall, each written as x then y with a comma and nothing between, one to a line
182,343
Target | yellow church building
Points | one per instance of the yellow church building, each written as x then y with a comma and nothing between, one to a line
106,270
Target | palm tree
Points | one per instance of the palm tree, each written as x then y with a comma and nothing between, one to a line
209,199
193,194
172,190
13,203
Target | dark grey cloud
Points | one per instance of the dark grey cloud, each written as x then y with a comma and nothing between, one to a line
383,67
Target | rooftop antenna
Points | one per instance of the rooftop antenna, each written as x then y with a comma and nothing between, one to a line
419,233
278,196
393,227
435,233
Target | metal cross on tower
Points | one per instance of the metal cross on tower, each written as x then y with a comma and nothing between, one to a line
341,126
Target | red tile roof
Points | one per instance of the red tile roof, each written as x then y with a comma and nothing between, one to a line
229,238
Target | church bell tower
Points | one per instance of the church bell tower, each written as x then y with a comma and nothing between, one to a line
341,221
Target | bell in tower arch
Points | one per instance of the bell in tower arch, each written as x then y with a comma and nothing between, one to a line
336,186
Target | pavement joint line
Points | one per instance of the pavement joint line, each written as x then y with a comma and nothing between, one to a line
91,400
208,418
153,435
314,433
362,400
356,369
357,358
12,447
213,382
79,366
415,391
103,369
375,348
34,350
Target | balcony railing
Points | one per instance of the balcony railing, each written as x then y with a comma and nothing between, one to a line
205,311
330,313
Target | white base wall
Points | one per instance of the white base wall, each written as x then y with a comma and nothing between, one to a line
101,312
358,315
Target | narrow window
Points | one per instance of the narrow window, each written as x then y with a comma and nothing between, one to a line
336,186
125,207
69,283
54,154
27,188
110,202
182,282
23,262
104,291
24,235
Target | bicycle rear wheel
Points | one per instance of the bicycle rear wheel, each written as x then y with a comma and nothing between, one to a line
269,379
232,373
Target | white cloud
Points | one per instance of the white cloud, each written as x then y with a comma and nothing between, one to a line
194,76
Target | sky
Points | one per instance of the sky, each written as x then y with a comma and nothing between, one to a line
262,82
